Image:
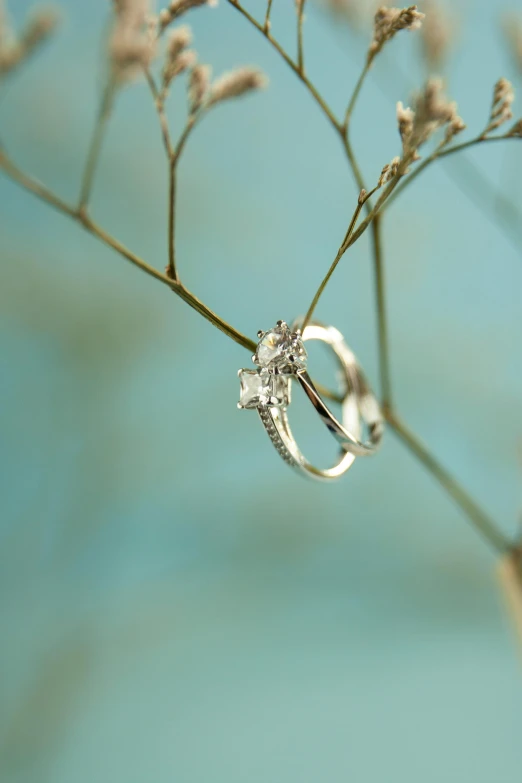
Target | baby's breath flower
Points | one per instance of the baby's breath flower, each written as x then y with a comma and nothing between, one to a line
503,97
198,87
431,111
13,49
175,59
178,7
457,125
236,83
405,117
388,22
131,46
389,172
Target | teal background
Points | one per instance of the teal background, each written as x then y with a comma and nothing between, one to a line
175,604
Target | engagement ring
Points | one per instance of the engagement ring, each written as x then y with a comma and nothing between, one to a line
280,358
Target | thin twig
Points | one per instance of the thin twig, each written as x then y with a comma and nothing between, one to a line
479,519
44,194
342,249
266,26
439,154
300,48
172,270
355,95
159,103
277,46
382,321
93,155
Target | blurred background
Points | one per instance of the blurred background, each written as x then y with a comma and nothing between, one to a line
175,603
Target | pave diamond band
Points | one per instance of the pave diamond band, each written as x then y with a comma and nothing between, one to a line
281,357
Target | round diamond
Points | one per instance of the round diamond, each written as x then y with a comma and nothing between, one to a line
282,349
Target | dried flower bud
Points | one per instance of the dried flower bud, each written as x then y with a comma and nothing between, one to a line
38,28
503,97
362,197
405,118
431,111
436,34
515,130
176,8
183,62
388,22
389,172
131,46
457,125
198,87
236,83
175,62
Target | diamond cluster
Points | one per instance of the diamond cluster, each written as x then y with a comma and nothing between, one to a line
279,355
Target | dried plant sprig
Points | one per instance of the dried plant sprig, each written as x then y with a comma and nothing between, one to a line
503,97
435,36
267,24
453,128
179,7
198,87
299,6
390,175
14,50
131,45
388,22
389,172
431,111
178,57
482,522
236,83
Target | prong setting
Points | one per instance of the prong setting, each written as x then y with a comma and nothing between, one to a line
280,349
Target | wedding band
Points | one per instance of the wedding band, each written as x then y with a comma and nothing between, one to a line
281,357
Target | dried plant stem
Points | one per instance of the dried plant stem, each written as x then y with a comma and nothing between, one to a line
439,154
159,103
506,212
382,320
266,26
93,155
172,270
342,249
43,193
510,577
294,66
481,521
300,47
173,156
355,95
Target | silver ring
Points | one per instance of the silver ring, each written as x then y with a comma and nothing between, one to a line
281,357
